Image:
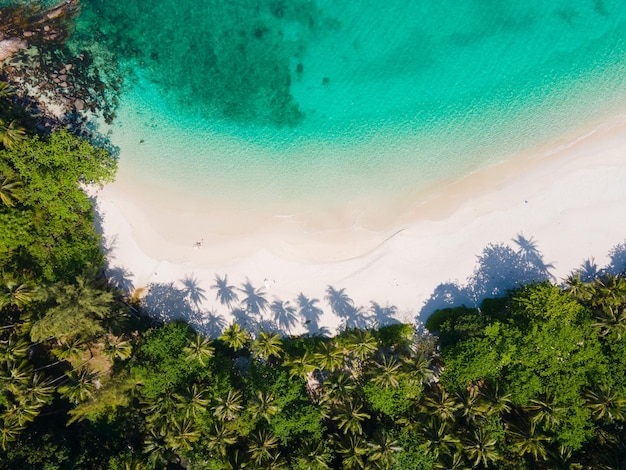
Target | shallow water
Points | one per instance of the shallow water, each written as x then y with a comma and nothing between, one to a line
326,99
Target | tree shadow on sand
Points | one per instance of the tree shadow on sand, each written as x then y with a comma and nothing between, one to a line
617,260
310,312
193,291
167,303
500,268
357,316
120,278
589,269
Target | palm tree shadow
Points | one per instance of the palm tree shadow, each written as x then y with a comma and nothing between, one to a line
588,271
500,269
284,314
213,324
168,303
340,304
617,260
359,317
383,315
311,313
120,278
226,294
445,295
532,256
194,292
254,301
244,319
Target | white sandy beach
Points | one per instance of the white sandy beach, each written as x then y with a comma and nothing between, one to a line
567,196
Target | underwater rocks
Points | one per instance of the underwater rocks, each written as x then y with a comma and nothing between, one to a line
62,90
10,46
58,88
21,26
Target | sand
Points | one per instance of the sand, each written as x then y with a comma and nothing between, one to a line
566,198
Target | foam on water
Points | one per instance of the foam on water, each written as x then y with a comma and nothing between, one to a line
254,99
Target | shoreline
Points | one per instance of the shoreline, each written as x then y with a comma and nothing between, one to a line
563,196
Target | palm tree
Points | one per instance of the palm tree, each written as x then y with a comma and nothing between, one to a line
472,403
454,461
436,438
10,190
159,454
267,345
580,290
262,446
340,388
606,403
15,348
498,403
302,366
387,372
119,349
199,349
263,406
339,302
329,356
611,319
284,314
220,438
21,413
480,447
525,440
11,134
79,308
254,299
16,374
609,290
17,294
313,455
38,391
234,336
545,411
81,387
181,435
159,412
225,293
361,343
353,449
309,310
382,450
349,416
229,407
193,402
73,348
419,367
441,404
9,431
5,90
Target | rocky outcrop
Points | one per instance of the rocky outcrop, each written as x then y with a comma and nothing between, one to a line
10,46
23,26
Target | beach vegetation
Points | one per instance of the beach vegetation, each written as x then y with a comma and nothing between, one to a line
534,378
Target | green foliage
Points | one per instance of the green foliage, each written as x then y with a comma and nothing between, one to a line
537,375
161,363
412,456
455,324
53,234
393,402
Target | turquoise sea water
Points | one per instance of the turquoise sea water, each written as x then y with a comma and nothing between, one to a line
332,99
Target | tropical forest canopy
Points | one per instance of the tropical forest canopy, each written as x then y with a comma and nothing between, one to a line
534,379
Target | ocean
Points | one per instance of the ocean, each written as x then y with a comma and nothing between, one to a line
326,102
